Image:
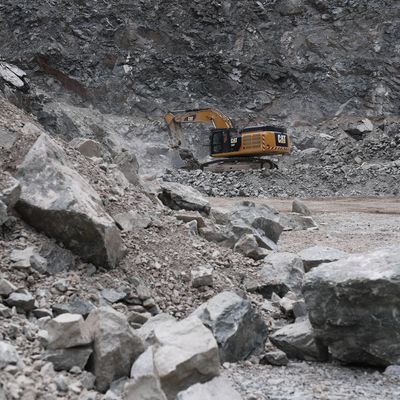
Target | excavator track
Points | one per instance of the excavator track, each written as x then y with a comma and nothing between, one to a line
238,164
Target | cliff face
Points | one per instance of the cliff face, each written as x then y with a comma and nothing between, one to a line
299,60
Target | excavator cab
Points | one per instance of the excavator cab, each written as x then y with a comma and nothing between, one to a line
224,141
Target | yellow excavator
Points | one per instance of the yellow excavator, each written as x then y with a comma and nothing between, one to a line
232,148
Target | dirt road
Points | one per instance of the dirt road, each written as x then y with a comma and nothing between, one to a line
348,224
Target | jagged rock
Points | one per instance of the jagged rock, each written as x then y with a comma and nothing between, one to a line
202,276
65,331
392,370
316,255
298,341
218,388
22,258
297,222
8,355
6,287
42,313
239,331
177,197
58,201
13,75
87,147
65,359
248,246
300,309
277,357
115,346
58,258
185,353
137,318
3,213
22,300
191,216
132,221
353,306
145,383
146,332
77,306
10,190
5,312
112,295
280,273
299,207
358,130
129,166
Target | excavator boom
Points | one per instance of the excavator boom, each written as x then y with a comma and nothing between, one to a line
175,119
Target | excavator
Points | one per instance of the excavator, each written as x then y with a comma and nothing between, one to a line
232,148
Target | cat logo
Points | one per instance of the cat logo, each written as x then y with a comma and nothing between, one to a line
282,139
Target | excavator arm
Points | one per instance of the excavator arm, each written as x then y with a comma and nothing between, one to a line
175,119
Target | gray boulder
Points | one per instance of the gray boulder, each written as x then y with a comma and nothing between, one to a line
87,147
353,305
55,199
115,346
298,341
145,383
8,355
22,300
202,276
129,166
13,75
218,388
299,207
238,329
65,331
10,191
248,246
6,287
132,221
246,218
76,306
177,196
185,353
316,255
65,359
280,273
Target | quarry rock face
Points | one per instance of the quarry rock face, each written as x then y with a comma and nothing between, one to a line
236,326
353,306
55,199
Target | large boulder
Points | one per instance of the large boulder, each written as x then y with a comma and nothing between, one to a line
178,197
115,346
145,383
10,191
185,353
317,255
280,273
8,355
353,306
58,201
67,330
218,388
238,329
298,341
129,166
249,228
